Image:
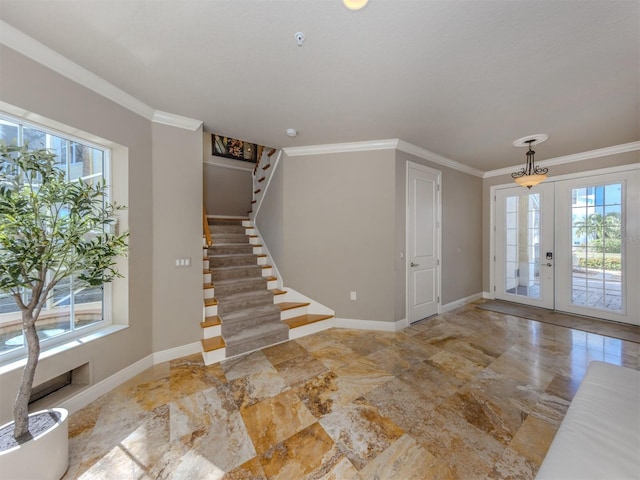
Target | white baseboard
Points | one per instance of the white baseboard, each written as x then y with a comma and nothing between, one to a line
95,391
370,324
177,352
488,295
462,301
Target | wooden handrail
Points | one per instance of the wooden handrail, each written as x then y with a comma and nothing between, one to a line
205,227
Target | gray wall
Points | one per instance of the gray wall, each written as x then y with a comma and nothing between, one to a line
227,191
228,183
461,264
336,223
557,170
177,233
34,88
270,216
338,233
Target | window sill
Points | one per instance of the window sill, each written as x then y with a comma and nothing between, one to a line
76,342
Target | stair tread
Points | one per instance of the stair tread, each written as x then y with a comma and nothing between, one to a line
237,281
255,333
231,255
255,312
270,279
302,320
210,302
234,297
234,267
210,322
207,286
261,179
213,343
277,291
266,166
289,305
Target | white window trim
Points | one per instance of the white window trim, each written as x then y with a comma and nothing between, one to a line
116,313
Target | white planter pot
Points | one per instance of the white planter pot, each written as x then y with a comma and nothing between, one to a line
45,457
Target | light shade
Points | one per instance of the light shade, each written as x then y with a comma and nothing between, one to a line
355,4
530,180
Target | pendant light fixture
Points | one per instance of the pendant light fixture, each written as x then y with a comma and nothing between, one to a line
530,175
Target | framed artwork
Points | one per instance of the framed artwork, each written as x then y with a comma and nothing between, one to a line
233,148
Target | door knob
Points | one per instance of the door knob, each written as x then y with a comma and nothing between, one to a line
414,264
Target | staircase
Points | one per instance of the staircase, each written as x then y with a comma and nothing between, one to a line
243,308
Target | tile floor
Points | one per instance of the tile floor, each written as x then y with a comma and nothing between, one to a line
468,394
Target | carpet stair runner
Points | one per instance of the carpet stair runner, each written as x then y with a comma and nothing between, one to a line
249,318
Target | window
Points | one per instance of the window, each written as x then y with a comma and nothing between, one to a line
71,310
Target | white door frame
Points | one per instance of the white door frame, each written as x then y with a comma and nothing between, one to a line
438,213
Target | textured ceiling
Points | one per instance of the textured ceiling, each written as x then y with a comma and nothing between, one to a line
462,79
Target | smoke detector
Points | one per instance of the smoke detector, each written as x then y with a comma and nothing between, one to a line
292,132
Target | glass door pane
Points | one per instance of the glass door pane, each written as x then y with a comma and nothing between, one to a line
596,280
523,272
598,252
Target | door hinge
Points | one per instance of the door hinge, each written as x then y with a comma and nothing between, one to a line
438,262
494,288
494,258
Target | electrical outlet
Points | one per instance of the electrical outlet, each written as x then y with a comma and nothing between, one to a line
354,296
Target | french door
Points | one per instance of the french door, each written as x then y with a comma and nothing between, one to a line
525,245
571,245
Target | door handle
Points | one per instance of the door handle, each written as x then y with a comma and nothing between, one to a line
548,264
415,264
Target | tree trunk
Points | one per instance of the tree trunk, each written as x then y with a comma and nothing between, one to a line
21,405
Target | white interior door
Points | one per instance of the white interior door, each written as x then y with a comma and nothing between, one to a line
423,241
524,239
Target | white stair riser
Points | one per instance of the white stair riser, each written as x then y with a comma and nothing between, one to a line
250,231
207,292
206,278
214,356
205,264
311,328
262,260
211,311
272,284
210,332
266,272
293,312
257,250
253,240
280,298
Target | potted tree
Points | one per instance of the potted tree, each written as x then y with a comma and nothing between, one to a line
51,228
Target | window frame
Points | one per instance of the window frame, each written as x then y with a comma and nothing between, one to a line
75,333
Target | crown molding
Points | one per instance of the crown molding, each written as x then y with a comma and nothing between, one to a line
341,147
576,157
16,40
178,121
31,48
389,144
435,158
